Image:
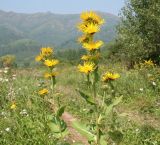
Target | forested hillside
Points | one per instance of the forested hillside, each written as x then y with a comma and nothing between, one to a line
21,33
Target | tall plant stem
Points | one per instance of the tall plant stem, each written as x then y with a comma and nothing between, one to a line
97,111
53,82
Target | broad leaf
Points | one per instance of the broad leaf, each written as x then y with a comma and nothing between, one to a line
109,108
82,129
62,134
88,98
60,111
103,140
116,136
57,125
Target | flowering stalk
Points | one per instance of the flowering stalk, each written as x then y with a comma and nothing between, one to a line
90,25
56,124
47,58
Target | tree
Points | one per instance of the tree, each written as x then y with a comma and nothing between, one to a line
139,30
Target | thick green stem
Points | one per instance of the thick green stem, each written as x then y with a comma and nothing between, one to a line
97,131
97,111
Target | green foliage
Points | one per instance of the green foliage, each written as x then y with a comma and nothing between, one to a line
87,98
23,34
84,130
138,120
139,30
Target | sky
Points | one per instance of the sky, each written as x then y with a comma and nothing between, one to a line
61,6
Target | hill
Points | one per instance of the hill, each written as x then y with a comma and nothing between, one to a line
20,32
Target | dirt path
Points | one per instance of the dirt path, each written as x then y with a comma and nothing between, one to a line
74,135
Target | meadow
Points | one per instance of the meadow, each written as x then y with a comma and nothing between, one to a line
138,117
95,102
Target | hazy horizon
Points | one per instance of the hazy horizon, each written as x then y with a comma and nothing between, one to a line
61,6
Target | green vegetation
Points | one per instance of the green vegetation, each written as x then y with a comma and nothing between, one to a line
119,107
138,119
139,30
23,34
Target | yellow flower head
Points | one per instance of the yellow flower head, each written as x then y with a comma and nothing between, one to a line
89,28
85,57
39,58
43,92
149,62
110,76
13,106
91,57
93,45
51,63
86,68
83,38
49,75
46,51
92,17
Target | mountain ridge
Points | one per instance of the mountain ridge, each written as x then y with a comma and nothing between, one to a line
58,30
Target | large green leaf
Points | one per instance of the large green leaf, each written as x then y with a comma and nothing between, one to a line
62,134
116,136
88,98
60,111
103,140
109,108
57,125
54,127
82,129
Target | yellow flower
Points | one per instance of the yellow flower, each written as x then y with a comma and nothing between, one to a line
93,45
13,106
83,38
110,76
91,57
51,63
85,57
46,51
149,62
89,28
92,17
43,92
49,75
39,58
87,67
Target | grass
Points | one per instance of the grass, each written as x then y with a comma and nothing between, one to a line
139,114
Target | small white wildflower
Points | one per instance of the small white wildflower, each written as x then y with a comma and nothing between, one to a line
5,71
24,112
137,130
14,78
141,89
73,141
1,79
84,109
153,83
6,68
7,129
3,113
6,80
